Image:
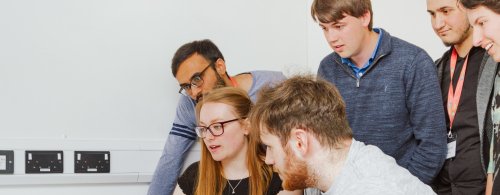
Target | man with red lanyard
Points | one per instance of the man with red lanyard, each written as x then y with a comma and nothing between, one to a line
466,81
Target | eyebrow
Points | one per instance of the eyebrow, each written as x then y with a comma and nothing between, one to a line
441,9
184,84
444,7
331,23
338,22
212,121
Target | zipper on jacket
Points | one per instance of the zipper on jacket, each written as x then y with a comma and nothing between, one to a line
353,76
371,66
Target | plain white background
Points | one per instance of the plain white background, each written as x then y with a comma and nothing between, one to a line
95,74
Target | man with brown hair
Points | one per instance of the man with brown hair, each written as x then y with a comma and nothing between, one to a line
465,99
309,142
390,86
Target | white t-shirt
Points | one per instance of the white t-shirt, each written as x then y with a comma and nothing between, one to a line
368,171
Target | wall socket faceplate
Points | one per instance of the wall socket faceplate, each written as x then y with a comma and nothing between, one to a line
6,161
92,161
44,161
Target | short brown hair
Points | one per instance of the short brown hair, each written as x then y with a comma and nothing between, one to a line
493,5
302,102
327,11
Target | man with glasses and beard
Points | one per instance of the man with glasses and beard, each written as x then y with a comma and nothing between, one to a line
199,67
464,171
303,123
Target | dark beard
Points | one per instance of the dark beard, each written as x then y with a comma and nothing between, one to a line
462,38
218,84
295,175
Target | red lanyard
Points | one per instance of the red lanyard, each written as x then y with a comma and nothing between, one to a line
454,98
233,81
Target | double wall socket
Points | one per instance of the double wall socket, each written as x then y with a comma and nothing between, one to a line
92,161
44,161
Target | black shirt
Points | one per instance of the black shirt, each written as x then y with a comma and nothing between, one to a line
190,177
463,173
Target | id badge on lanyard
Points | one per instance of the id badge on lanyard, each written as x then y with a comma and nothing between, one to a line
452,145
453,100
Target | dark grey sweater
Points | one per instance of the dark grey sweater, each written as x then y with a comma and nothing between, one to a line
396,105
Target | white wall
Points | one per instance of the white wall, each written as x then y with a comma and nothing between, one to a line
95,74
100,68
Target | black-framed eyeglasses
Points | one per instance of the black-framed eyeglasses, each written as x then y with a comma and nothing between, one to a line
196,81
216,129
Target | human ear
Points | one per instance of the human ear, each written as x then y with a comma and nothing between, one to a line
245,125
366,18
220,66
299,141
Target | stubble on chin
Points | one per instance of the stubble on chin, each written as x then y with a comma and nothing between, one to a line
463,36
218,84
296,174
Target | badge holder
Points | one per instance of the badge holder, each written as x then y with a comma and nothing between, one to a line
452,145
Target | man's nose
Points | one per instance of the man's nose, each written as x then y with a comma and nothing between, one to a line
269,160
331,36
195,92
439,22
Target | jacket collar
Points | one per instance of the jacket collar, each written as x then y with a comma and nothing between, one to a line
384,49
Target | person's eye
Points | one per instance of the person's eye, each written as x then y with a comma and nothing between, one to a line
338,26
186,87
481,23
217,127
196,80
